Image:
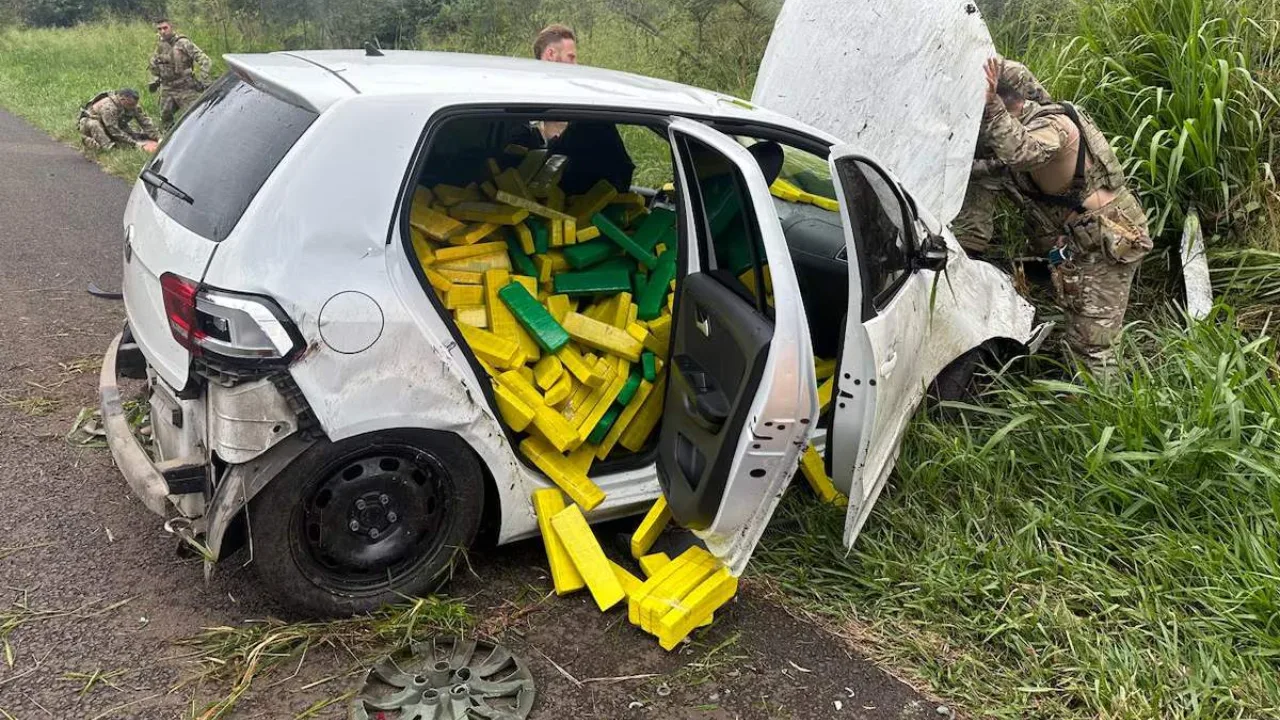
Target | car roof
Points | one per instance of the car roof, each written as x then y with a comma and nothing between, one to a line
319,78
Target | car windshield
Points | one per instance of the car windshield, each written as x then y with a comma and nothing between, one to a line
808,172
221,153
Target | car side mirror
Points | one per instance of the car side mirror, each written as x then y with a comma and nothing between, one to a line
933,254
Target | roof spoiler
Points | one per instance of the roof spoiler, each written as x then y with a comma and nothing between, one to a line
279,74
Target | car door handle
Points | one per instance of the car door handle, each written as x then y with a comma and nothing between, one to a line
702,321
704,400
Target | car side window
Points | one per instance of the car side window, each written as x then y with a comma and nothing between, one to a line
729,233
881,231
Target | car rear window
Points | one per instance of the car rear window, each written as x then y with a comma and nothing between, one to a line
225,147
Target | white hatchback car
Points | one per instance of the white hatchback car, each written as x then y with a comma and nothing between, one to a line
310,392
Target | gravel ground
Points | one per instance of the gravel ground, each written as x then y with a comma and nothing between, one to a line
98,587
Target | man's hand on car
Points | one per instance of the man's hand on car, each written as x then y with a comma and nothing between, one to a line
148,146
992,70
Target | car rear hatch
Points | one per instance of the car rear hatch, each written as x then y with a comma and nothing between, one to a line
154,244
192,195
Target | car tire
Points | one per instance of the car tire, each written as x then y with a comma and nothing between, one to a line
957,382
356,524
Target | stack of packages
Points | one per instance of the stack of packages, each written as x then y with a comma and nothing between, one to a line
566,303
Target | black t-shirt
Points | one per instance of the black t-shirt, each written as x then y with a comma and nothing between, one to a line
595,151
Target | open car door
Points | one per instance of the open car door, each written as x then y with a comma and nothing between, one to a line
741,395
909,92
884,366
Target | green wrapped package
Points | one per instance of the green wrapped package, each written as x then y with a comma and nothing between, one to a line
519,260
592,282
629,390
606,423
629,246
592,252
534,317
649,362
651,299
659,226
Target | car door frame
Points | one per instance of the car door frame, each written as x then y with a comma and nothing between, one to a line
784,411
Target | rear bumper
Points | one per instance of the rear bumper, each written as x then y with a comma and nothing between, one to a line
180,480
144,478
252,429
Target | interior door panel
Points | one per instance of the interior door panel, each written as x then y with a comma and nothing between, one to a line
741,397
719,351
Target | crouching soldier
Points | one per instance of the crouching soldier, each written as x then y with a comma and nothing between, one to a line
104,122
1093,226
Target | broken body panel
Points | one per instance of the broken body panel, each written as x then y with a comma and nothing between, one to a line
899,79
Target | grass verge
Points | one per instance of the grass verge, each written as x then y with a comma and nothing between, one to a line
1062,550
46,75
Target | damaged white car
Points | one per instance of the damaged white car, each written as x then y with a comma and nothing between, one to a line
311,393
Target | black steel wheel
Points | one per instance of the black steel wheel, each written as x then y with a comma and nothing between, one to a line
352,525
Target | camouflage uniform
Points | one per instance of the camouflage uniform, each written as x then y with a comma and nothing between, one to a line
974,225
173,67
104,124
1091,215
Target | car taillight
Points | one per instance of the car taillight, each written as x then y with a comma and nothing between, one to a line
231,325
180,308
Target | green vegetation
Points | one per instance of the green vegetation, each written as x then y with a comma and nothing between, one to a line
46,75
1075,549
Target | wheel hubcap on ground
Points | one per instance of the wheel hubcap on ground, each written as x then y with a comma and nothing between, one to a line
446,679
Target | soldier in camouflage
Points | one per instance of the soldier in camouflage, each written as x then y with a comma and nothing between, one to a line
179,69
104,122
1068,177
974,226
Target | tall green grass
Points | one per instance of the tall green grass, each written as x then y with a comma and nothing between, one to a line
1076,550
1249,275
1184,88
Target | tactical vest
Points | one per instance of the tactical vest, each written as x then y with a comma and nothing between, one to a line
1106,172
164,63
87,109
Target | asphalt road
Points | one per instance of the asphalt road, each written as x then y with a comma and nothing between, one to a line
96,587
